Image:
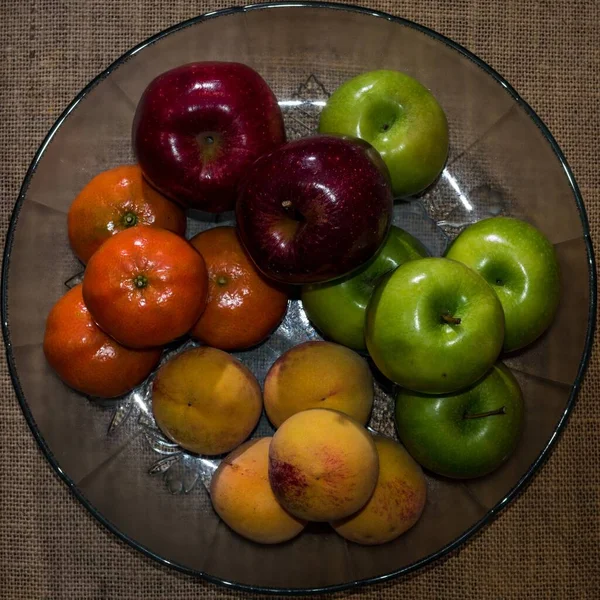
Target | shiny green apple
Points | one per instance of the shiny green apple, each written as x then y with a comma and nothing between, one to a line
337,308
519,262
399,117
434,326
466,434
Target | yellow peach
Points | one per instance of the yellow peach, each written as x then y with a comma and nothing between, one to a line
323,465
319,375
206,401
242,497
396,503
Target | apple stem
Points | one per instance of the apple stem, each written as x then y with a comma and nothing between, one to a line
448,318
286,204
489,413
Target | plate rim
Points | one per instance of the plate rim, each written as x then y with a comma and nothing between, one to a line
492,514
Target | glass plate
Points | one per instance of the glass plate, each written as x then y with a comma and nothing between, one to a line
503,160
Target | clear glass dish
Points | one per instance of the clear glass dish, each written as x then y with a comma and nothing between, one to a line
503,160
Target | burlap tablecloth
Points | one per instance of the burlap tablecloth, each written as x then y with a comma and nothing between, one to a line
545,545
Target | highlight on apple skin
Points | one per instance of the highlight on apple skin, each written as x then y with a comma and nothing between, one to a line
434,326
520,264
314,209
467,434
400,117
338,308
199,127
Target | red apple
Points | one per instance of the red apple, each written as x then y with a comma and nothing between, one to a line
314,209
198,128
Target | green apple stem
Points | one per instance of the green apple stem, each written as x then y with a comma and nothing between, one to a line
448,318
489,413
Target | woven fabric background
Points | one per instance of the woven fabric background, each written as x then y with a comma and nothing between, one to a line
545,545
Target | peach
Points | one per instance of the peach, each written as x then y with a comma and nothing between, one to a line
319,375
242,497
323,465
206,401
396,503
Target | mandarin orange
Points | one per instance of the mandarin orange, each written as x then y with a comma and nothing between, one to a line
243,308
145,286
115,200
85,357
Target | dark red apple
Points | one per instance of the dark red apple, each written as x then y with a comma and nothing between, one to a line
198,128
314,209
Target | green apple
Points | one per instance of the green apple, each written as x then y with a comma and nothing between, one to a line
400,117
466,434
519,262
337,309
434,326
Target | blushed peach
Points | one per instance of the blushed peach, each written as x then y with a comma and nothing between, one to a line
206,401
319,375
241,495
323,465
396,503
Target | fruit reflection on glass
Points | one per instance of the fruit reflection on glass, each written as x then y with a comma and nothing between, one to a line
314,209
397,501
206,401
243,308
466,434
400,117
434,326
87,359
338,308
323,465
115,200
318,375
198,128
519,262
145,286
241,495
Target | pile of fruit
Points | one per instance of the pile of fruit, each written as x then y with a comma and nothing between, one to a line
313,217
